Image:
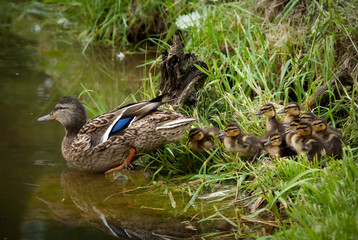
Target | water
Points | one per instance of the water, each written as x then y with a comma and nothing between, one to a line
40,197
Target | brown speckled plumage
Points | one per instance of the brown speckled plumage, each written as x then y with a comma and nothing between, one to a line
91,146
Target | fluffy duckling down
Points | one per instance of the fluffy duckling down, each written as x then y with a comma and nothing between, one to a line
243,144
202,140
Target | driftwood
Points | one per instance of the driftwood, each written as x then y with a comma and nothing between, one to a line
180,76
322,95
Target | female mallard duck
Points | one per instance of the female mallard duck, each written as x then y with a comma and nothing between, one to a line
332,138
273,124
304,142
202,140
293,111
277,147
113,138
244,144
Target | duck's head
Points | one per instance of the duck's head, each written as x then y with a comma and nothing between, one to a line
267,110
319,124
303,129
292,109
274,140
70,112
307,116
196,134
292,126
232,130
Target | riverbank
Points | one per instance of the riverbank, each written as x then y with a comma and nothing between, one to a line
269,51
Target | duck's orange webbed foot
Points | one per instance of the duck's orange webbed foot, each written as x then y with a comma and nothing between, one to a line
126,162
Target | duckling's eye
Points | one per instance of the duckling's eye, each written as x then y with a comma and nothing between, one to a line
265,109
192,134
318,123
231,129
290,107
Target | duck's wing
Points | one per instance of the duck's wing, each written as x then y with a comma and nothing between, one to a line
115,121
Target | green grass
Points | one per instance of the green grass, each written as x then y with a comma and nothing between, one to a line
256,53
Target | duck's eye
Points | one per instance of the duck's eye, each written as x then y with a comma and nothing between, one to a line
60,108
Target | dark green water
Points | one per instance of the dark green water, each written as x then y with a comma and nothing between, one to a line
40,197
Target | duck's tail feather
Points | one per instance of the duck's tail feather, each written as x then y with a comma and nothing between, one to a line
176,123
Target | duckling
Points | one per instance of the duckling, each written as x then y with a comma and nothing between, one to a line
307,116
277,147
202,140
244,144
290,127
304,142
273,124
293,111
332,137
310,117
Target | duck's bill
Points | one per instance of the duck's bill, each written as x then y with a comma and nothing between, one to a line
47,117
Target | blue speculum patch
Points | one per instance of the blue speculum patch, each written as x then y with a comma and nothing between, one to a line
121,124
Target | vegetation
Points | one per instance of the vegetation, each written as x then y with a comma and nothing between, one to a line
257,52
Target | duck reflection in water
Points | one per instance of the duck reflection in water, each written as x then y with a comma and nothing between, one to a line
119,208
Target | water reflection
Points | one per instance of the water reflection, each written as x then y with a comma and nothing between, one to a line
34,72
41,198
121,208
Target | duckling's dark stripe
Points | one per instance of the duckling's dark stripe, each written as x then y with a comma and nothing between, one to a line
230,129
317,123
192,134
289,107
266,109
276,138
302,127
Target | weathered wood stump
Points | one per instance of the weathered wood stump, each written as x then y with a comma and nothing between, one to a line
180,77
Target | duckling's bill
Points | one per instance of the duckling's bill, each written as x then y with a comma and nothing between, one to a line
281,111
